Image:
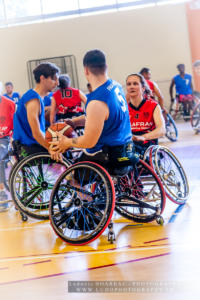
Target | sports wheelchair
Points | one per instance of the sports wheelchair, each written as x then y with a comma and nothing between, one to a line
182,107
31,180
85,195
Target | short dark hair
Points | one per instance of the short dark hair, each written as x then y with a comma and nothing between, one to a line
64,81
142,81
180,65
144,70
95,60
46,69
196,63
8,83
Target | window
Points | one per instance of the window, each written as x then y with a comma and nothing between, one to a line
22,8
1,10
13,12
55,6
127,1
95,3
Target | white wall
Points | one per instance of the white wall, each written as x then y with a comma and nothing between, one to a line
155,37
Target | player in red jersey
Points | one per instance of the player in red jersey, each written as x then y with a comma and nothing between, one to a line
66,101
156,93
7,110
147,123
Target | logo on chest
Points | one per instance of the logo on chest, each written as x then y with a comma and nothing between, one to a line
146,114
136,116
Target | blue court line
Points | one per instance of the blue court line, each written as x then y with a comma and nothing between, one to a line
176,212
135,225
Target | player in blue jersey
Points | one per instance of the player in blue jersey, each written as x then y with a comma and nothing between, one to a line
29,119
184,88
14,96
107,124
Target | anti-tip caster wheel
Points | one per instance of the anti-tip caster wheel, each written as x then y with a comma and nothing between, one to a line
111,237
24,217
160,220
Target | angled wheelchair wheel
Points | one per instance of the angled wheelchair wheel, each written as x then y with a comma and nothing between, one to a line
171,129
140,196
82,203
172,175
176,110
32,181
7,172
195,117
148,154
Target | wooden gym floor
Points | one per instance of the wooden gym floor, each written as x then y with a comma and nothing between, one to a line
36,264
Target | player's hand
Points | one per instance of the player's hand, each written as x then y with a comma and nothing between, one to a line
55,155
138,138
62,144
164,110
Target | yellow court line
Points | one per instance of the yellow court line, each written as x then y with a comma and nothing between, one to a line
21,228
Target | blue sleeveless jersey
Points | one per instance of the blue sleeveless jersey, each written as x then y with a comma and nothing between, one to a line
183,85
15,97
22,129
117,129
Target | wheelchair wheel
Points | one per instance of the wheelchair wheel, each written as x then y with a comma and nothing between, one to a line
9,167
140,196
172,175
176,109
82,203
195,117
171,129
6,179
32,181
148,155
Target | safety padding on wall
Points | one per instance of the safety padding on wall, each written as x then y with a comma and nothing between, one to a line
193,18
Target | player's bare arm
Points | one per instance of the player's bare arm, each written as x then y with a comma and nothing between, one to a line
159,95
53,110
97,114
33,111
159,131
171,88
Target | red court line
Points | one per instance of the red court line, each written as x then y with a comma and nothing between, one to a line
153,241
86,269
37,262
47,254
79,255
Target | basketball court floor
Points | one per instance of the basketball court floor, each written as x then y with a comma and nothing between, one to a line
36,264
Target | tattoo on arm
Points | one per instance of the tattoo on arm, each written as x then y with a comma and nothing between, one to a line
74,141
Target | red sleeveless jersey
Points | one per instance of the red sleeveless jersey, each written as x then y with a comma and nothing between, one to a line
141,117
7,110
150,84
68,100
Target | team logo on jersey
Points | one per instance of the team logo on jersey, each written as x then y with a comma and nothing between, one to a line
136,116
2,119
146,114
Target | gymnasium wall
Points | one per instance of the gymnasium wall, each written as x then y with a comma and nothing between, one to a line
155,37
